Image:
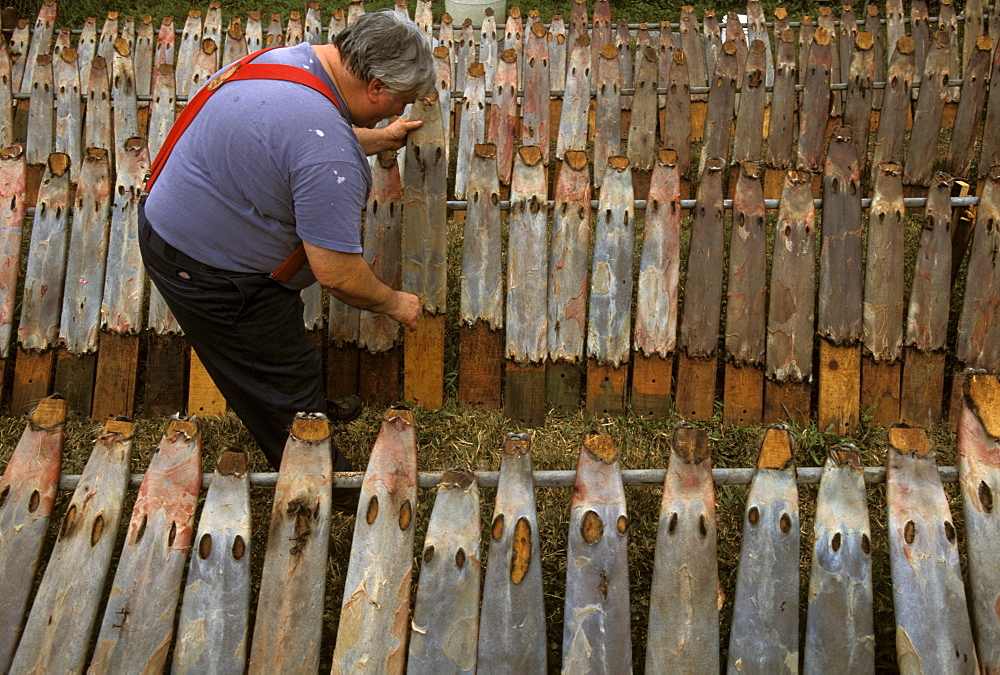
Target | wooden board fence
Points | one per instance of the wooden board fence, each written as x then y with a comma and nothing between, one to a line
746,106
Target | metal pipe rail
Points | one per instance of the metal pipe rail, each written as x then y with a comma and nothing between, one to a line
640,204
653,26
808,475
557,94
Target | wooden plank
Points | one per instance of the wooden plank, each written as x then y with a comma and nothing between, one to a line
423,362
652,384
115,381
840,631
679,113
787,402
763,633
721,107
524,393
597,634
165,375
33,375
58,632
138,624
290,604
695,396
572,125
781,123
535,101
606,389
746,335
373,621
743,397
978,451
75,380
749,132
641,150
880,391
608,112
932,617
990,149
379,381
918,169
444,635
563,385
683,601
922,388
839,388
512,619
969,118
28,486
816,101
204,398
480,351
693,47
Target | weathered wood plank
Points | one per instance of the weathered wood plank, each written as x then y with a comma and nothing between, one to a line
576,100
503,113
512,621
962,148
781,123
57,633
978,342
596,628
138,624
28,487
919,166
933,630
41,112
721,107
816,102
860,95
608,112
444,635
792,292
641,151
69,112
374,617
676,130
535,102
215,615
990,151
766,609
749,131
290,603
13,184
892,119
978,452
685,573
187,51
746,297
840,629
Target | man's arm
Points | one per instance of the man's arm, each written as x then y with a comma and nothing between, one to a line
392,137
350,279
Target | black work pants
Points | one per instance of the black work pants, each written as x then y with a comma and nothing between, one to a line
248,331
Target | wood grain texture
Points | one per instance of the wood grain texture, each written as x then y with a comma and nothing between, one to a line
880,390
524,393
33,375
204,398
165,374
839,387
743,396
923,387
378,385
423,362
480,352
342,370
563,385
652,384
695,395
115,382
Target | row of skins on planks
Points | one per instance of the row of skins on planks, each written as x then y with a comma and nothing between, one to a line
460,621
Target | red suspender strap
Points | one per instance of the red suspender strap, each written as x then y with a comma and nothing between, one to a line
243,70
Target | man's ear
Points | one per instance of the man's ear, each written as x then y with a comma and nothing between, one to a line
375,89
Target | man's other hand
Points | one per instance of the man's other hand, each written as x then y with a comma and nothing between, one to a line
407,309
391,137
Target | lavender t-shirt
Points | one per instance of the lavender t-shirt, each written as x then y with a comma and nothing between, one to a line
264,165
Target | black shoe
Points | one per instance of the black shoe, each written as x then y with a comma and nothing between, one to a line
344,500
343,409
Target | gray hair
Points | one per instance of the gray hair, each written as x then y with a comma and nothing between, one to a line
390,47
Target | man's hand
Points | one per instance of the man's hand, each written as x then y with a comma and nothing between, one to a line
407,309
391,137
